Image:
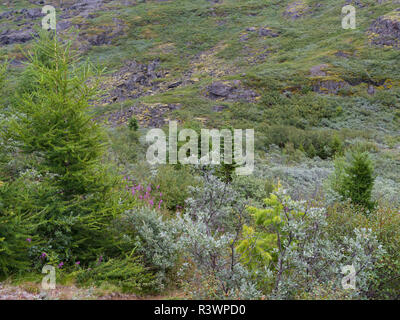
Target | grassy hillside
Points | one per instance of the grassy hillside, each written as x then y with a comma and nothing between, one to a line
310,89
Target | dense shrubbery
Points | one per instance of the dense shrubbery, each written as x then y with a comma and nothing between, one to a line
385,224
201,230
127,273
321,143
288,250
174,183
211,227
155,237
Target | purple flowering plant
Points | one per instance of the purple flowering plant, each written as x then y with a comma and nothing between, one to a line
148,195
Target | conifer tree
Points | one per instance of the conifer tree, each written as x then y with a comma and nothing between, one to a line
359,181
54,129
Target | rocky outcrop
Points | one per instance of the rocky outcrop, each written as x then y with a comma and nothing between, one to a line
230,90
67,11
15,36
385,31
319,70
297,9
357,3
133,81
329,86
324,82
267,32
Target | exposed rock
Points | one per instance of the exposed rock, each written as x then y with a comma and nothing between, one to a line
371,90
7,14
15,36
251,29
325,81
329,86
63,25
297,9
104,37
132,81
244,37
319,70
16,293
342,54
385,31
66,11
230,90
267,32
263,31
174,85
219,89
357,3
28,14
34,13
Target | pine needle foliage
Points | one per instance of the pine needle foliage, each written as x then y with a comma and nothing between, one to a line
53,127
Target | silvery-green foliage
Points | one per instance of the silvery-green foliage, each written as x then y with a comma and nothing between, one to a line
303,180
211,226
215,204
307,258
387,191
157,239
362,251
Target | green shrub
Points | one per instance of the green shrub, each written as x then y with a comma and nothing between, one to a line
15,237
125,146
385,223
133,124
321,143
127,273
155,238
353,179
211,227
289,252
174,182
253,188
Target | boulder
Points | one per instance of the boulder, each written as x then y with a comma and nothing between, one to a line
15,36
385,31
230,90
267,32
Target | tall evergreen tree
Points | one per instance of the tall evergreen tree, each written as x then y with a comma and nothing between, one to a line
54,129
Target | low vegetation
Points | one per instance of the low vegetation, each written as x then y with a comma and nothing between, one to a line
77,193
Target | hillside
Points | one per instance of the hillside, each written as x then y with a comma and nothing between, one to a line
311,90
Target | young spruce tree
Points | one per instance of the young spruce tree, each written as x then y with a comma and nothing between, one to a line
53,127
355,179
